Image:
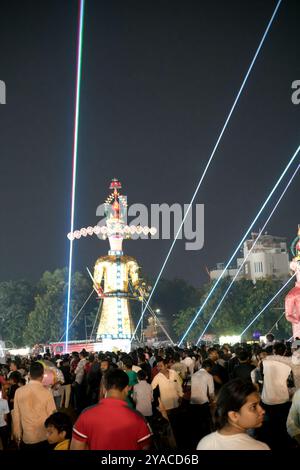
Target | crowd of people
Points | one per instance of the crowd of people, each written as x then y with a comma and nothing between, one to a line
245,397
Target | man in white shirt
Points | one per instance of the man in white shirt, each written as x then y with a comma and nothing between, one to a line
292,361
170,390
167,382
188,361
202,389
202,396
276,399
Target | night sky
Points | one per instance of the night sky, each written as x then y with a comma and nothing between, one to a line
158,80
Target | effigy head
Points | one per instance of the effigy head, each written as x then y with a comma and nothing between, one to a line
295,246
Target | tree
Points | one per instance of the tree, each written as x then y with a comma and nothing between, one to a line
171,296
16,302
46,321
242,303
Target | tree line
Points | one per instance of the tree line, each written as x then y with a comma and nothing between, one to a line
33,313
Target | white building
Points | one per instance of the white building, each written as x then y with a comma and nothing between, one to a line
231,271
269,258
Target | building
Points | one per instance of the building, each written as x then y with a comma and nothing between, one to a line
231,271
268,258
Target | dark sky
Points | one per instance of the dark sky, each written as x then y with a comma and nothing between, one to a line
158,80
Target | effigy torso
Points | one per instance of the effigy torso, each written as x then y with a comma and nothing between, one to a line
114,274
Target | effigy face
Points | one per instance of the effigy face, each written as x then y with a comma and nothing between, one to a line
295,267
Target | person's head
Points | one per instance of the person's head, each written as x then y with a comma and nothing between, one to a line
238,406
270,338
13,366
268,350
91,357
279,348
58,427
262,355
36,371
82,354
243,356
213,354
162,364
116,384
14,377
141,375
104,365
141,358
208,365
176,357
128,363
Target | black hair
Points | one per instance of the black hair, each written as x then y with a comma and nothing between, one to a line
15,376
212,349
105,359
142,357
16,362
177,357
268,350
165,360
61,422
243,355
36,370
128,362
116,378
279,348
141,375
207,364
232,396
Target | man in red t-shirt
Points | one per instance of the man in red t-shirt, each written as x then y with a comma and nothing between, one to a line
111,425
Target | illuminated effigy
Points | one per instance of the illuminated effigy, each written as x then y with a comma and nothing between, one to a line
116,276
292,300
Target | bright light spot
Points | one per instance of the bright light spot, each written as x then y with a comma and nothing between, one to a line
229,339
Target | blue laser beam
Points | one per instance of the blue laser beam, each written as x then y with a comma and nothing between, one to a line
249,252
208,163
267,305
75,155
240,243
